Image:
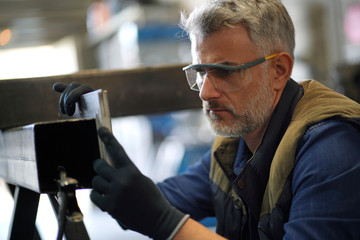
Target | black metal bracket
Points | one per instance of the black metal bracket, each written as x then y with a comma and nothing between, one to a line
64,203
68,211
22,225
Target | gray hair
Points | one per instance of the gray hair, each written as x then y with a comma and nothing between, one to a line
267,22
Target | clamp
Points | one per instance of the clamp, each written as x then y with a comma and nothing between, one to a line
69,208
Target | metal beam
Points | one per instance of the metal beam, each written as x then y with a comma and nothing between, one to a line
130,92
31,156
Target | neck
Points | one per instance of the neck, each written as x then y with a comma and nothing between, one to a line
253,139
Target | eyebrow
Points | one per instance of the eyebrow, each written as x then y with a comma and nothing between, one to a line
229,63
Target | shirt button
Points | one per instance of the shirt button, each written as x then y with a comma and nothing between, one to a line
241,183
237,202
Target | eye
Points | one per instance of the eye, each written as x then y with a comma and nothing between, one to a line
221,73
201,71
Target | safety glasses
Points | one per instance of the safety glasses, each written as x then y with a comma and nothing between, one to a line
219,75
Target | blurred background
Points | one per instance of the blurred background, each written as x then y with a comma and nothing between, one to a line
44,38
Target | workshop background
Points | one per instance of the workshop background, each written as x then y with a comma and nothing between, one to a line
45,38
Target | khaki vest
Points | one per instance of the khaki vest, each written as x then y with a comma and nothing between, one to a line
317,104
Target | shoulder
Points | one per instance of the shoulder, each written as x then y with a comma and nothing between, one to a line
325,182
330,140
328,154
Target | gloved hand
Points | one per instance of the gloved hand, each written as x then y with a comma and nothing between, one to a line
129,196
70,94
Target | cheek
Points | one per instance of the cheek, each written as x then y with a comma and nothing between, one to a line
244,97
238,100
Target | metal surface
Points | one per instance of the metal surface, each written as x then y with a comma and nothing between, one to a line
130,92
31,156
40,158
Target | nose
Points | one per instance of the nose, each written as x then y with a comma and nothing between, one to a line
208,90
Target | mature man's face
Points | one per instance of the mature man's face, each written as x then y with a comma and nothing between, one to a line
248,107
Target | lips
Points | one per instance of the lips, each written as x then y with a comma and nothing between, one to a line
217,110
215,107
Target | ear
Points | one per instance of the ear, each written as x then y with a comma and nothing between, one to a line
282,66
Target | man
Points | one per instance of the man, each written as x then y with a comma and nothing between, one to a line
286,162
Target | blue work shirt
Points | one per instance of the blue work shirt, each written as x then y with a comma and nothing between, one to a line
325,184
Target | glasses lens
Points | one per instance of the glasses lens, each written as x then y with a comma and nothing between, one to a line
194,79
222,79
220,73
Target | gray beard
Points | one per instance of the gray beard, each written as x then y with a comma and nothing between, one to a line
256,111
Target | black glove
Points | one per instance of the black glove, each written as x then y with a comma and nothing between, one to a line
70,94
129,196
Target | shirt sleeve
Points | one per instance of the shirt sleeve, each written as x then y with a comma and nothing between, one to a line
326,184
190,191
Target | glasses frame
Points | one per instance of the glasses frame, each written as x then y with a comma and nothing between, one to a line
225,67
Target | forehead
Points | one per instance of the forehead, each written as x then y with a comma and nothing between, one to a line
225,45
